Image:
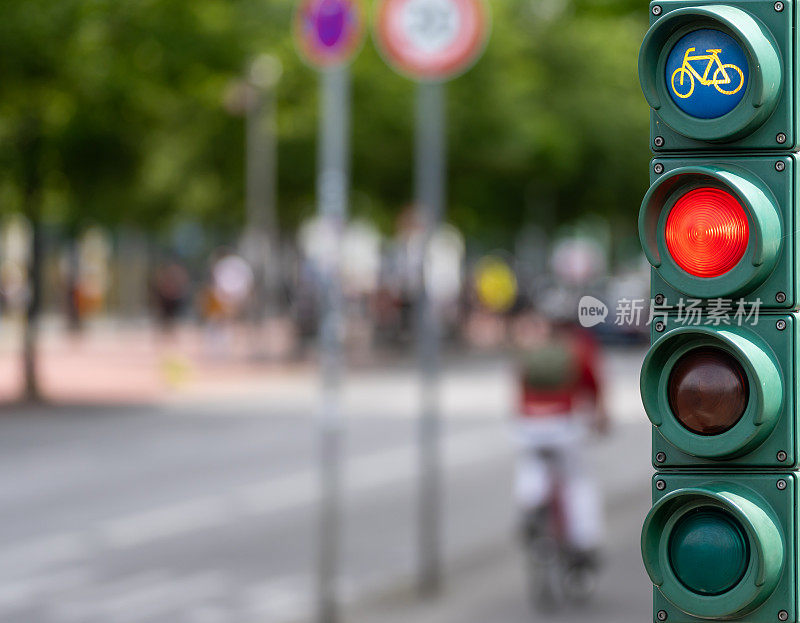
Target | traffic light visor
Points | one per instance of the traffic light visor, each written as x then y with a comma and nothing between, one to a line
714,393
711,72
710,231
713,550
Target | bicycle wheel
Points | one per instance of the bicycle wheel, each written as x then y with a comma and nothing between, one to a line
543,573
579,581
680,89
731,79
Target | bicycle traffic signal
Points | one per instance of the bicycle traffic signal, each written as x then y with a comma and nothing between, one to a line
718,548
720,381
723,397
719,75
722,227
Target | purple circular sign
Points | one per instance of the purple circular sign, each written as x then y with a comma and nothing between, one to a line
329,32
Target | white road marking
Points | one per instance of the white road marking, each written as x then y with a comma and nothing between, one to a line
173,595
363,473
285,598
369,471
168,521
28,557
82,607
139,598
209,614
277,494
21,594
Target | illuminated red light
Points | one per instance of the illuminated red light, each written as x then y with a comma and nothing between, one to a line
707,232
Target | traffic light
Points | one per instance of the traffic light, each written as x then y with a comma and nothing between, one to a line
723,397
720,74
718,225
720,548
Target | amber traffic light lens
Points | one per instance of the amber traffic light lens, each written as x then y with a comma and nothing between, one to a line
708,391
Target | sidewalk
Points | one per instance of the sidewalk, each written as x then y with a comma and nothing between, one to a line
116,363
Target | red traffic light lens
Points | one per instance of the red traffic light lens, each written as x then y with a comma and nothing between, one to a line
707,232
708,391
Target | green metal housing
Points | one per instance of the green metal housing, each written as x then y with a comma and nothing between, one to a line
770,269
766,431
769,106
764,505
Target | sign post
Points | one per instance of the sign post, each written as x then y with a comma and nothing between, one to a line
328,34
261,244
430,41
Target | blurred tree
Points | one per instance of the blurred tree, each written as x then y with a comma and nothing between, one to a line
127,112
112,112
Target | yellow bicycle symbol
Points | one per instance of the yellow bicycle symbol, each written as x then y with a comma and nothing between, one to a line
720,76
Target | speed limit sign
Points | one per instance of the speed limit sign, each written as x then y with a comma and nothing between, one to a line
431,39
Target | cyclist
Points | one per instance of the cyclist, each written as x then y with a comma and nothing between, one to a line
559,404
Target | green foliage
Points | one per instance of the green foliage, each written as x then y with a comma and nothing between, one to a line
114,110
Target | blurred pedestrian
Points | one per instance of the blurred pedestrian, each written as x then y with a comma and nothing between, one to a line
170,292
223,300
559,406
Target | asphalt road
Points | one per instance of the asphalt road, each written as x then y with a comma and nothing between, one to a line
202,511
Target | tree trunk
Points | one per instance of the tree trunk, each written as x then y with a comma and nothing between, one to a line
74,319
30,149
31,329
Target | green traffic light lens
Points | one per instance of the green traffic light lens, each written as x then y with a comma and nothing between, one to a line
708,391
708,551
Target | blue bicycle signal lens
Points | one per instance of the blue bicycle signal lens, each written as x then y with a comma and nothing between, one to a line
707,73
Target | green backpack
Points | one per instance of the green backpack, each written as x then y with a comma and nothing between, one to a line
550,366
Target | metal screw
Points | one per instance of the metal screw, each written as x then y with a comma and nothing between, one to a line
780,325
780,297
659,299
661,615
661,485
661,457
658,141
781,138
781,484
781,456
660,326
783,615
658,168
779,7
780,165
656,10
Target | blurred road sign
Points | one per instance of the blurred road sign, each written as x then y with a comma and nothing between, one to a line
431,39
329,32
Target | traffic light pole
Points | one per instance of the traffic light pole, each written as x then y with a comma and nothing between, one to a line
430,192
332,207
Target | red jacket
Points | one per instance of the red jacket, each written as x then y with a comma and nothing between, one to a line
584,383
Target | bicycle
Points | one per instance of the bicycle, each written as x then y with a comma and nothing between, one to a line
556,574
719,77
